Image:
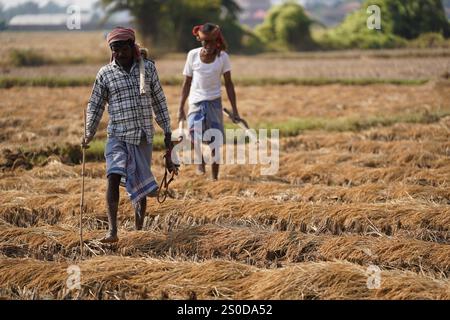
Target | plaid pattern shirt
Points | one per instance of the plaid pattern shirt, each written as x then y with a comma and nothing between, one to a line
130,113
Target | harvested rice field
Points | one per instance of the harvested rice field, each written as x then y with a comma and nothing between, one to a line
39,117
359,207
354,212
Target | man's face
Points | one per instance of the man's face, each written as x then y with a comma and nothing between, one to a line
210,46
122,52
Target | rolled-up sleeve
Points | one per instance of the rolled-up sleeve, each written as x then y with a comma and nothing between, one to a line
96,105
159,102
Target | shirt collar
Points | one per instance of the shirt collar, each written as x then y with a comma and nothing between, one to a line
116,65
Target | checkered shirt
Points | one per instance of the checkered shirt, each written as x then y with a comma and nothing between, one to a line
130,113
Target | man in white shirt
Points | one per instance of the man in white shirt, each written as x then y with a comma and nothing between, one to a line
202,84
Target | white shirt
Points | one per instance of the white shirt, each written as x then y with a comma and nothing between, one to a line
206,77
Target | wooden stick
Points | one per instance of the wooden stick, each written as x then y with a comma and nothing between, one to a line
83,149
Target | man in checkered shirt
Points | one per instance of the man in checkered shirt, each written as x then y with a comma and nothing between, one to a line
131,88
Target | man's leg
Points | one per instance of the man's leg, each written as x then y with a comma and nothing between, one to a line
214,167
201,167
112,201
139,213
214,120
215,171
196,125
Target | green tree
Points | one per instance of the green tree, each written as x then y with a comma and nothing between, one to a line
413,17
168,23
400,20
184,14
286,27
148,15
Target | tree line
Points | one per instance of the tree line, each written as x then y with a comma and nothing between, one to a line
287,27
167,24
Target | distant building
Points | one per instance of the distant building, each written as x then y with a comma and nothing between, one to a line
44,21
58,21
253,12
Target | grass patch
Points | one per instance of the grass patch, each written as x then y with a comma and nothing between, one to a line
71,153
324,81
34,58
358,54
294,127
27,58
158,142
96,150
54,82
67,153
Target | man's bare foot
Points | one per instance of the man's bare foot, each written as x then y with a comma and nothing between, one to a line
109,238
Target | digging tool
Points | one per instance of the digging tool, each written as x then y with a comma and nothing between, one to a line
242,124
83,150
180,130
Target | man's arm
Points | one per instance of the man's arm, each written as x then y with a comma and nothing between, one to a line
159,103
95,107
184,95
231,93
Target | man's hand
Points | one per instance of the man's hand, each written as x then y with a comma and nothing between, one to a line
168,140
85,142
235,117
168,155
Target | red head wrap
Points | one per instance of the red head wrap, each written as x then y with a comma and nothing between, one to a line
214,34
123,34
